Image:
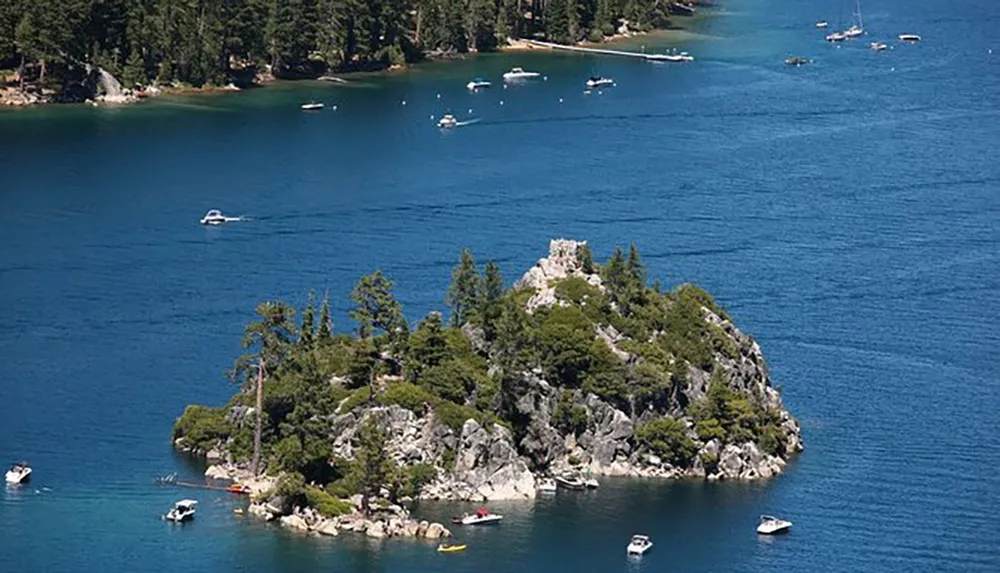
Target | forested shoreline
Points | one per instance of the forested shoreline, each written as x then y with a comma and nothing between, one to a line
55,43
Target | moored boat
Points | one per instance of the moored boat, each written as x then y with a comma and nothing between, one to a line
547,485
568,482
770,525
599,82
638,545
482,516
18,474
796,61
877,46
822,24
215,217
836,37
182,511
447,548
477,84
312,106
909,38
516,74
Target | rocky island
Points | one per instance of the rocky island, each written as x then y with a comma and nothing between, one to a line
578,368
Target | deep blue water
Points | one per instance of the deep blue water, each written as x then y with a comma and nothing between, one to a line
847,213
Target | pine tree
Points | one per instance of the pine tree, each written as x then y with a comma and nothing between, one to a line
325,330
374,461
307,332
490,299
586,257
464,290
377,308
557,22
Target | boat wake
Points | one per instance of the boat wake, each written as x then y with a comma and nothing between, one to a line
467,122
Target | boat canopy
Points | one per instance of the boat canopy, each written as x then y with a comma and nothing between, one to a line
482,511
214,213
640,538
186,504
768,518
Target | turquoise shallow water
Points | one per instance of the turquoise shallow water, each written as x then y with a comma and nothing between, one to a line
845,212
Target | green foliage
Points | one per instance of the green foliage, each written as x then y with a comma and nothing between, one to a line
414,479
454,415
585,255
202,428
685,333
454,380
291,488
667,438
695,294
490,300
728,415
406,395
326,504
569,417
463,294
574,460
377,309
427,347
375,465
448,459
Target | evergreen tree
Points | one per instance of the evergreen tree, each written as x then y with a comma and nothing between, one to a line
307,332
464,290
374,461
490,299
428,346
586,257
268,339
377,308
325,330
557,21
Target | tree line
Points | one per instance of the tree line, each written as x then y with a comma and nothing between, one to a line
202,42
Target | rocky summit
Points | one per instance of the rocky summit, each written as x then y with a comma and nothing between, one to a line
578,369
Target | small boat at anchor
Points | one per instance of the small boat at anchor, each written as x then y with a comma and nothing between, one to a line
822,24
599,82
912,38
477,84
573,483
547,485
517,74
215,217
482,516
877,46
836,37
639,545
770,525
796,61
312,106
182,511
18,474
447,548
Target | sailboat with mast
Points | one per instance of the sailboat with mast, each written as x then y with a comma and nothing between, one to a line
858,28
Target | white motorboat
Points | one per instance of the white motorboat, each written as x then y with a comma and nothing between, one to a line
853,32
482,516
796,61
822,24
909,38
18,474
591,483
215,217
573,483
877,46
182,511
836,37
770,525
447,121
478,84
639,545
858,28
547,485
599,82
516,74
311,106
681,57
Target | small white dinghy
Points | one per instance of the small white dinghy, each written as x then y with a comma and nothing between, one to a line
877,46
909,38
311,106
182,511
477,84
770,525
18,474
448,121
518,74
482,516
599,82
822,24
639,545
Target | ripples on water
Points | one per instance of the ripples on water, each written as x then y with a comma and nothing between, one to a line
845,212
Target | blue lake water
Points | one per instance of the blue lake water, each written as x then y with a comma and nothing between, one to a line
846,212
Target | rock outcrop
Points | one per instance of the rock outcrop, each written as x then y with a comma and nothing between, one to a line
391,522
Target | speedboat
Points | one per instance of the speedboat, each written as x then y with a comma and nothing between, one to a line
18,473
909,38
853,32
796,61
822,24
215,217
482,516
877,46
447,121
681,57
547,485
769,525
478,84
574,483
639,545
183,511
591,483
311,106
836,37
599,82
446,548
516,74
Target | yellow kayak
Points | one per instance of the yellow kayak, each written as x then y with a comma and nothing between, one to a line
450,548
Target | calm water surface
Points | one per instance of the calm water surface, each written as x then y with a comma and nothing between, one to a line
845,212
